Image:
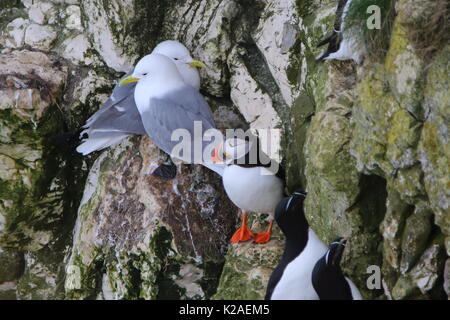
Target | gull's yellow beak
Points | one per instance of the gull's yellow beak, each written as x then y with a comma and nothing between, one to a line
197,63
128,80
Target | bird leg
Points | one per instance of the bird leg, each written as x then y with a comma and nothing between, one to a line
166,171
264,237
243,233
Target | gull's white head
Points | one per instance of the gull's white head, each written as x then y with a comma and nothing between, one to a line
174,50
181,56
154,66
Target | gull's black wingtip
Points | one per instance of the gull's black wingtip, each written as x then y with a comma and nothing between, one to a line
66,138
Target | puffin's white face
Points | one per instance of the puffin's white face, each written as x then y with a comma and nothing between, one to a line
179,54
231,149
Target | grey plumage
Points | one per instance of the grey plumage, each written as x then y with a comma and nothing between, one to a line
177,110
116,119
118,113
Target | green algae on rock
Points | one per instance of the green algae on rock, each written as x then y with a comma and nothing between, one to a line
369,143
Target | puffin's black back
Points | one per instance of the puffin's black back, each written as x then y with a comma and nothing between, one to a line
260,158
290,217
327,277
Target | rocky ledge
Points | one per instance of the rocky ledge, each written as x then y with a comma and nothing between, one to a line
368,142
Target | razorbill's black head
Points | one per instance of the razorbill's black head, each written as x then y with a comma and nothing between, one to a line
290,217
327,278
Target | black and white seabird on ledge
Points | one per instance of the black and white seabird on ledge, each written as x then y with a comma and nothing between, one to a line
345,42
250,184
292,279
327,278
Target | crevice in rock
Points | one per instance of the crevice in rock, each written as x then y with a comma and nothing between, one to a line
372,201
148,23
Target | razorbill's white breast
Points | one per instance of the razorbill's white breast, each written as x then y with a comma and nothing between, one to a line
301,274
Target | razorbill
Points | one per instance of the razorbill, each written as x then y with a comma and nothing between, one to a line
327,278
345,42
292,279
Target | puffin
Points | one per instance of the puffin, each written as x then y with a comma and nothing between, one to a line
327,278
292,278
251,182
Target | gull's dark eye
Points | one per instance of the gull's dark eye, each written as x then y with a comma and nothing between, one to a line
144,74
176,58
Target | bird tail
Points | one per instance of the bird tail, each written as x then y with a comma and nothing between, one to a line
100,140
333,45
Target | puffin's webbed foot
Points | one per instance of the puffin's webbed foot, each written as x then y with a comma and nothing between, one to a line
243,233
264,237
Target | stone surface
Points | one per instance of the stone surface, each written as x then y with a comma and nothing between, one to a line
31,81
14,36
447,277
248,266
40,37
11,265
172,234
369,143
254,104
76,49
105,26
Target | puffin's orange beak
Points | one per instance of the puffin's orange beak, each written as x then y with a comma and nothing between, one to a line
215,155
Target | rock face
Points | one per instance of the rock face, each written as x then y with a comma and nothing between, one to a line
149,238
368,142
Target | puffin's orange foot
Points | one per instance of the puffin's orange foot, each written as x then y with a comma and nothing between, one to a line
242,234
262,237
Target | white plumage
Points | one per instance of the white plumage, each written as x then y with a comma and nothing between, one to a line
252,189
351,46
295,283
119,115
250,186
